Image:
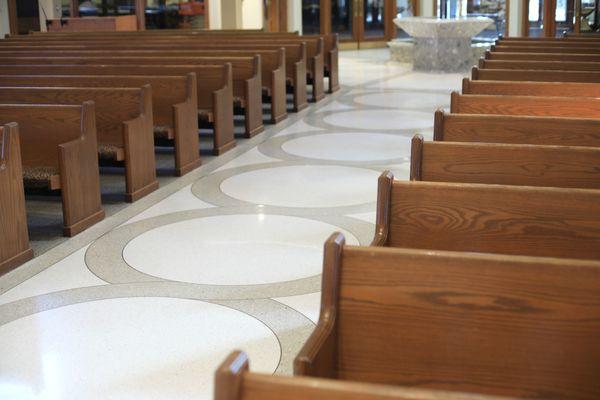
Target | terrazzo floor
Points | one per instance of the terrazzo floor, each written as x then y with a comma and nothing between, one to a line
146,304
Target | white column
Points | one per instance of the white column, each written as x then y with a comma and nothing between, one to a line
49,8
252,14
4,24
294,16
231,14
214,14
515,15
426,8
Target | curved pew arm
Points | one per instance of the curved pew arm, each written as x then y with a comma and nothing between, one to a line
223,113
186,129
253,95
319,354
384,192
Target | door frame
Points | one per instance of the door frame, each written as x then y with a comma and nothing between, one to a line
548,14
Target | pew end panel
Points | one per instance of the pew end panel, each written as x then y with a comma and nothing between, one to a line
318,355
222,99
278,93
229,377
316,71
299,80
382,219
187,144
80,177
14,235
253,94
416,157
333,61
138,136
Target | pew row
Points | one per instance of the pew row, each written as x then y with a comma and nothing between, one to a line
246,74
576,107
477,323
505,164
536,48
234,381
535,65
541,56
124,126
513,129
513,220
534,75
59,151
295,56
14,236
214,89
174,106
524,88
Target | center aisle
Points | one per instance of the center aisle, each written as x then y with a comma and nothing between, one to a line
147,303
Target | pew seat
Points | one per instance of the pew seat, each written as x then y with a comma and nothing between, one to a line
505,164
59,151
124,124
502,219
14,235
482,324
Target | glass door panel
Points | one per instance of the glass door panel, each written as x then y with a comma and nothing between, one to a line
341,18
373,18
535,18
311,17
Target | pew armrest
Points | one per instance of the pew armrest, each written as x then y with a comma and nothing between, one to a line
384,191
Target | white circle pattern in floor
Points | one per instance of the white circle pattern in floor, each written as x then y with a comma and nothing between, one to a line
349,146
381,119
126,349
233,249
304,186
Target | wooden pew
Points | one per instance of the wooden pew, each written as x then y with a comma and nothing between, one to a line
174,106
513,129
295,56
545,65
535,75
517,220
273,74
550,43
484,324
541,56
247,86
505,164
234,381
545,49
567,39
124,127
14,236
214,89
576,107
59,151
525,88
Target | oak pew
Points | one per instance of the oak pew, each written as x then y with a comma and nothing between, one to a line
234,381
545,49
214,89
273,74
59,151
535,75
502,219
545,65
295,56
475,323
505,164
576,107
14,236
524,88
247,86
174,106
567,39
124,127
541,56
550,43
514,129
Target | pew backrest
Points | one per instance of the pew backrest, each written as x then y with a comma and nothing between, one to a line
526,88
534,75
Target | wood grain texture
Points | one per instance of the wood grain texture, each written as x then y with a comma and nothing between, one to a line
233,381
542,56
123,119
518,220
536,48
506,164
576,107
517,129
535,75
63,137
169,94
544,64
524,88
14,236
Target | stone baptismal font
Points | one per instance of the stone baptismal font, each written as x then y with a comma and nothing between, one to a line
442,44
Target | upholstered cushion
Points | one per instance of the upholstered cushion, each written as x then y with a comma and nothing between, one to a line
38,177
163,132
108,151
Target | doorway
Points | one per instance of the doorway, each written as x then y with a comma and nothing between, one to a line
359,23
24,16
